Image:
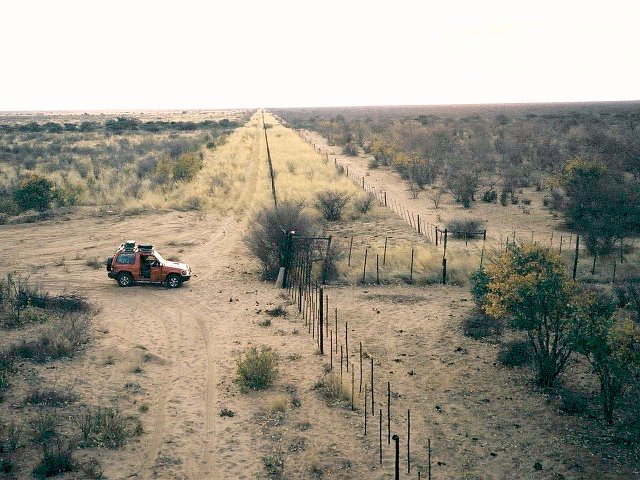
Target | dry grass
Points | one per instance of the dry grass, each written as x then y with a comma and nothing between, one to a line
427,265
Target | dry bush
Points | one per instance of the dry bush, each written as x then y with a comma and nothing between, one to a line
63,339
362,204
274,464
467,228
268,237
257,369
50,397
331,203
105,427
56,459
278,403
332,388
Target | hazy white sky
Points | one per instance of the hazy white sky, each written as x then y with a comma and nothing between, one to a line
140,54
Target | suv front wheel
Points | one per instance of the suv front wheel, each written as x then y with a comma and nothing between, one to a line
125,279
173,281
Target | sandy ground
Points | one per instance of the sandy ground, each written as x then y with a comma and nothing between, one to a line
484,422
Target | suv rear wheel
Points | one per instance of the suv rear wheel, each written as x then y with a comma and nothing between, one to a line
125,279
173,281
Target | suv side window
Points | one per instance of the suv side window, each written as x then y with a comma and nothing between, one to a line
127,258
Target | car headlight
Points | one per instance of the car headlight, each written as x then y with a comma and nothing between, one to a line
184,272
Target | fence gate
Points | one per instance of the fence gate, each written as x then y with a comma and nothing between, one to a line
301,255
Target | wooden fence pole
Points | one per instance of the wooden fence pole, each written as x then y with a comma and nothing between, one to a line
321,325
380,437
396,441
388,413
365,410
364,270
419,228
411,267
444,271
384,255
377,269
360,390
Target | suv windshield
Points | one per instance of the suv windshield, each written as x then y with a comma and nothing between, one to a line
159,257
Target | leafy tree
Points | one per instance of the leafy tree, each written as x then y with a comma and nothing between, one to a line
528,286
34,192
412,167
463,182
601,204
382,151
611,346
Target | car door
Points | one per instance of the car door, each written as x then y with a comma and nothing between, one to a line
156,272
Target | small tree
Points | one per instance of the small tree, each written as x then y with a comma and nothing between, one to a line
529,287
601,204
593,337
35,192
463,184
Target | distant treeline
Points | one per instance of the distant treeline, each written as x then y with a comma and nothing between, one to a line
118,125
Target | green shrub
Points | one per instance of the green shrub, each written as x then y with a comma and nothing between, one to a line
490,196
55,459
572,403
105,427
331,203
515,354
187,166
50,397
465,228
35,193
44,426
479,285
350,149
257,369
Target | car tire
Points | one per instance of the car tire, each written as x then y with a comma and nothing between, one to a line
125,279
173,281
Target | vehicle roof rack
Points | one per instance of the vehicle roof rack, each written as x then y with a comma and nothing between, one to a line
129,245
146,248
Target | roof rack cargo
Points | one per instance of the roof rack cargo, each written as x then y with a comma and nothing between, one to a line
129,245
146,248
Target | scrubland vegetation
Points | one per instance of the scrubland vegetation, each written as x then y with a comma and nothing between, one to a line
527,287
125,162
585,158
52,423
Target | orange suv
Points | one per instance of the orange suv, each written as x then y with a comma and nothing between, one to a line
143,264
